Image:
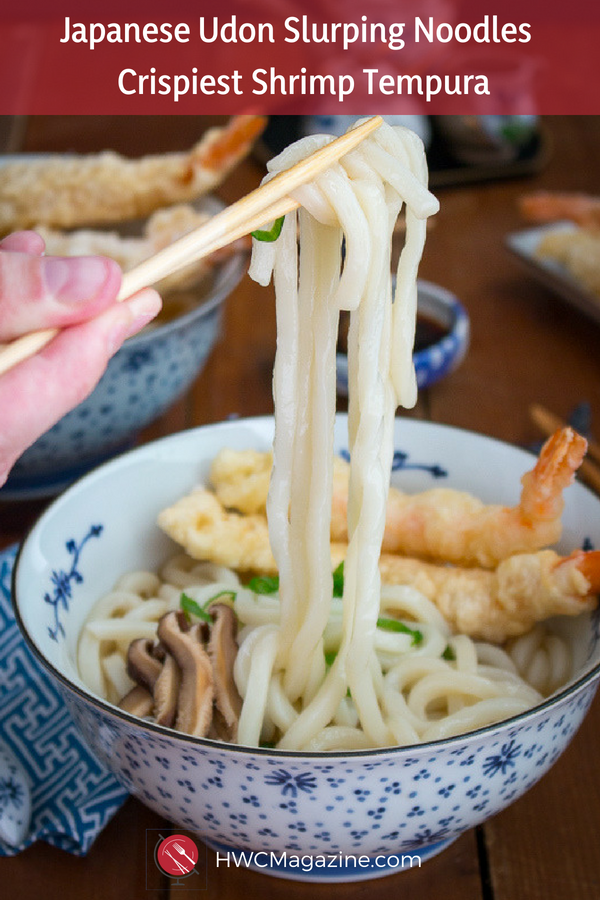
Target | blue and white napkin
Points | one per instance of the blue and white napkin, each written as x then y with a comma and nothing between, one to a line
52,788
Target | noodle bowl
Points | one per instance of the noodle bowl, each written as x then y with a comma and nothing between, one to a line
201,784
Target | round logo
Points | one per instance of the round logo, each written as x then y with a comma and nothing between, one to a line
177,855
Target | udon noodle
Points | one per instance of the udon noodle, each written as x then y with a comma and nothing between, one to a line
358,200
316,671
430,683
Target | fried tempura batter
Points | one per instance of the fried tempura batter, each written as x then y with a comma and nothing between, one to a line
161,229
487,604
440,523
67,192
493,605
241,479
578,251
206,530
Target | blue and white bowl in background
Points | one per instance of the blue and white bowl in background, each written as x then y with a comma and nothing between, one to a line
144,378
436,360
379,805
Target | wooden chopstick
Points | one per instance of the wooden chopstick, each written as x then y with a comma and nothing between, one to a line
548,423
264,204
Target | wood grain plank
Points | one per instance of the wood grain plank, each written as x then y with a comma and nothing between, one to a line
545,845
115,867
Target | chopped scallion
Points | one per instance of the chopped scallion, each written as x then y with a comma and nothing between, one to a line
401,628
272,233
338,581
264,584
192,608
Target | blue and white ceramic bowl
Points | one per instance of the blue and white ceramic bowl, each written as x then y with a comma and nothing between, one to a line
144,378
374,806
437,360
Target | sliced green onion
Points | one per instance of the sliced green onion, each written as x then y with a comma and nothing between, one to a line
273,232
226,592
401,628
449,654
264,584
192,608
330,658
338,581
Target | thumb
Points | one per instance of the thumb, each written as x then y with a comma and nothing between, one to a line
52,291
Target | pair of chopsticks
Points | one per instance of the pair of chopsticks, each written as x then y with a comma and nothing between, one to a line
263,205
548,423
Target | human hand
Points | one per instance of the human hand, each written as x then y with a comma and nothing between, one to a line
77,295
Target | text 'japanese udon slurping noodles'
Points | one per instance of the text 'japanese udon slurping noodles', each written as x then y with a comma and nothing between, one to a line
322,660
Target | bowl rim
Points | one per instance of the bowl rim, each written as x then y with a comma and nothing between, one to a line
454,343
227,275
573,686
450,349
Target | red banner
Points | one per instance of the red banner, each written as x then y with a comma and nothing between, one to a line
423,56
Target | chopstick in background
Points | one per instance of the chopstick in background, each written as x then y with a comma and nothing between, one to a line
548,423
267,202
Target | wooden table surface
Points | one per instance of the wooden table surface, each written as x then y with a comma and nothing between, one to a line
527,346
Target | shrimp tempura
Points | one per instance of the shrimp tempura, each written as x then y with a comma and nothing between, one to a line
489,604
67,192
506,602
551,206
440,523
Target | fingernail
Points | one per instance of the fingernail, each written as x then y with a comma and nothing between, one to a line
135,313
143,307
77,279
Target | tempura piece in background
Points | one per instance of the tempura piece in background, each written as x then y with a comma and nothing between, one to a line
68,192
440,523
578,251
554,206
162,228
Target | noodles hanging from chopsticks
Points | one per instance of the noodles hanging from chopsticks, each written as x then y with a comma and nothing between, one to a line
354,205
379,665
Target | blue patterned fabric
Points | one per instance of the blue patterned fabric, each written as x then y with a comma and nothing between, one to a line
73,795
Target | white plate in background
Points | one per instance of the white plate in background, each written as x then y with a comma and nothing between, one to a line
550,273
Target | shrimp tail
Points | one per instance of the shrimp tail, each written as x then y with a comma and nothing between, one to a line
230,143
559,459
587,563
547,206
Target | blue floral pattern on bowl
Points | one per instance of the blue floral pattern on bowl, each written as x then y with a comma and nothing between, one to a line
15,798
62,581
377,803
